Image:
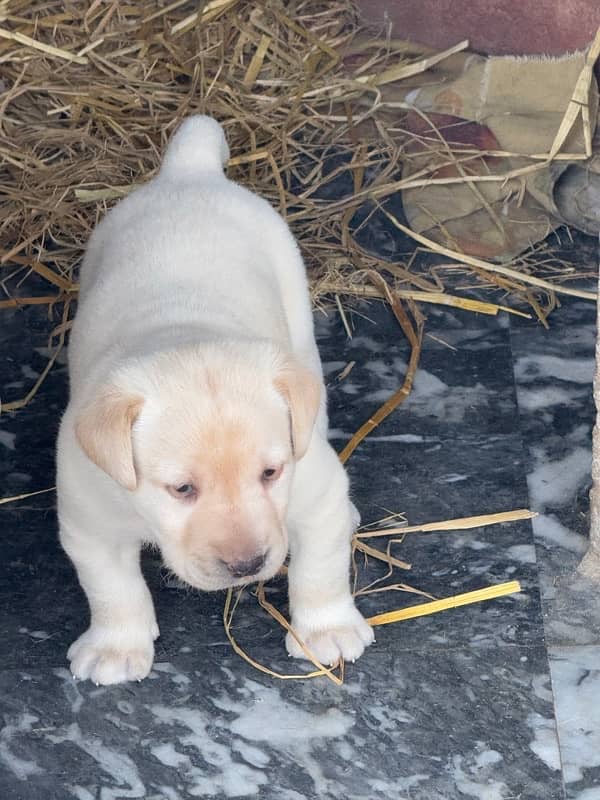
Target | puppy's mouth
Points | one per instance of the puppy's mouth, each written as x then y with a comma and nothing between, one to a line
219,579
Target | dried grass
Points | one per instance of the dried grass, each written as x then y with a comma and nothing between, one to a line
459,524
457,600
90,94
18,497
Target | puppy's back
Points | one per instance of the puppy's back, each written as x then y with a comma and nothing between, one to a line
189,252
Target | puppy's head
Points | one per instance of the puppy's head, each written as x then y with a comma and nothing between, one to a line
206,440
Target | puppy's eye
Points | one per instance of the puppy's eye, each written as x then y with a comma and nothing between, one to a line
271,474
185,491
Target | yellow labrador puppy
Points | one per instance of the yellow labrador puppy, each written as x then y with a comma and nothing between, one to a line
197,418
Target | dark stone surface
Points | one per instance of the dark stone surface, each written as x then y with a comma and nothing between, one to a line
213,727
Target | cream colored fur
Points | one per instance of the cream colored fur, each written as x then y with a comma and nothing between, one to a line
193,370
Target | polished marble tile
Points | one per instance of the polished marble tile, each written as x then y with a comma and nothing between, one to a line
464,380
576,683
212,727
553,374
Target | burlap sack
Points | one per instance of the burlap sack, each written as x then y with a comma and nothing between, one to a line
469,106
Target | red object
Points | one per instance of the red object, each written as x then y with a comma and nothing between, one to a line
495,27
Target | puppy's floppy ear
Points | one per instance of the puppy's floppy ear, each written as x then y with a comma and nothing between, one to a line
103,430
302,391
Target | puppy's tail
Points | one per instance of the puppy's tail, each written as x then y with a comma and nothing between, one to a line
198,147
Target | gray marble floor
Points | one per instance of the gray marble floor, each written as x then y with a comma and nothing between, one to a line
493,701
553,373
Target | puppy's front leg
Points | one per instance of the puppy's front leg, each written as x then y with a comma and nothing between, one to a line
119,644
322,520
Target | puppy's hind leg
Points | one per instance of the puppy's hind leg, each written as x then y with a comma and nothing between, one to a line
321,521
119,644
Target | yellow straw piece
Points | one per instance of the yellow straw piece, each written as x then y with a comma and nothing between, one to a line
44,48
381,556
228,612
401,71
17,497
257,61
457,524
579,103
247,158
110,193
19,302
489,593
208,12
436,298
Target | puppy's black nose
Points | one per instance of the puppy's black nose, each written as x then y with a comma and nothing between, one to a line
242,569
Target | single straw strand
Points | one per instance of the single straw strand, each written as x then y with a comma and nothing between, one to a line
424,609
457,524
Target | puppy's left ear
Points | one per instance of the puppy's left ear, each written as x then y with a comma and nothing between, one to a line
103,430
302,391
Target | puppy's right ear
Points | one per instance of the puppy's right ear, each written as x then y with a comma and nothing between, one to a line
103,430
302,392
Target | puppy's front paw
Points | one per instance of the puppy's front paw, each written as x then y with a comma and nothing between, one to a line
343,635
106,656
